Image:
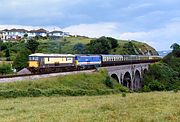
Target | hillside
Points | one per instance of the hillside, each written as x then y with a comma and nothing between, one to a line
97,83
66,45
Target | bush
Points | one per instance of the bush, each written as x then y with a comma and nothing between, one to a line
156,86
123,94
109,82
146,89
161,77
5,68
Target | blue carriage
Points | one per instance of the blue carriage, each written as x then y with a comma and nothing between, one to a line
87,61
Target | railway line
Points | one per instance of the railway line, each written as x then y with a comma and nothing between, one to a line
12,78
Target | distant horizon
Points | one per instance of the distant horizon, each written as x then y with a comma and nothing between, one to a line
155,22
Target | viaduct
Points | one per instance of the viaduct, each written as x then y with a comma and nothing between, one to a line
129,75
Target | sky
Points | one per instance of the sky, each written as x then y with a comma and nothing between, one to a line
156,22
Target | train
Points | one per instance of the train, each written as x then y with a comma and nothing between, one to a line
46,63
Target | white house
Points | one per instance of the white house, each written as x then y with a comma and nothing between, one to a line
58,34
19,33
39,32
14,33
1,35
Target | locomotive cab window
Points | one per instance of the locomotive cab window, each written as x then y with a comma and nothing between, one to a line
33,58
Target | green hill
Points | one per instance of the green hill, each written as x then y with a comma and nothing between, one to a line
65,45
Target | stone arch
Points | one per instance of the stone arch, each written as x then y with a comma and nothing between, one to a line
137,80
127,80
115,77
145,71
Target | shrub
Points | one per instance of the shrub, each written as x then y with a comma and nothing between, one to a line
156,86
109,82
123,94
161,77
5,68
146,89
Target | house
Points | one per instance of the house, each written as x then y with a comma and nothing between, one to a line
19,33
39,32
14,33
57,34
1,35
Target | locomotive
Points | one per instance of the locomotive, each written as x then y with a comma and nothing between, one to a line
46,63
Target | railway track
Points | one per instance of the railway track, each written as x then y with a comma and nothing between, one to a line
12,78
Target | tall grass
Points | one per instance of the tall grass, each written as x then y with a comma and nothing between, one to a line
135,107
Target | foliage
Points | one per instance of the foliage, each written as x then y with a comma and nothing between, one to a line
123,94
176,49
7,54
114,42
25,35
173,59
156,86
5,68
165,75
32,45
108,82
161,77
21,60
101,45
129,48
3,46
79,48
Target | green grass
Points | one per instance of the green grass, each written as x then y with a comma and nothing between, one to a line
70,85
135,107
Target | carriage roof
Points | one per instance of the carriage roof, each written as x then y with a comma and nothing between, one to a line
52,55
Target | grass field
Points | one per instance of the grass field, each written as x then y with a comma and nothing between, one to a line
135,107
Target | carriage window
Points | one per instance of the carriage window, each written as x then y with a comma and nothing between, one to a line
105,59
69,59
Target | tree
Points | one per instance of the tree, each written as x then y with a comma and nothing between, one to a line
79,48
32,45
175,46
3,46
5,68
114,42
25,35
21,60
160,76
99,46
176,49
129,48
7,54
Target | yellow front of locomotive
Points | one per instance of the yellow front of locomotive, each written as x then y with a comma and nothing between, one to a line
33,61
34,64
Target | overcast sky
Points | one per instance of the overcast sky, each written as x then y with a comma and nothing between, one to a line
156,22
